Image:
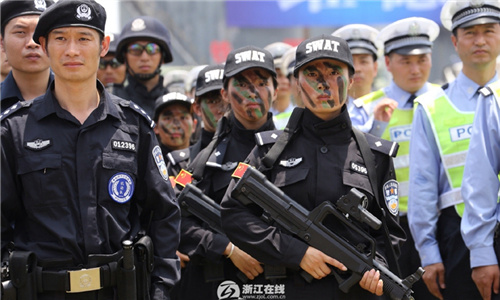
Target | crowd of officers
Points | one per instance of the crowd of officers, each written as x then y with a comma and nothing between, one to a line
96,146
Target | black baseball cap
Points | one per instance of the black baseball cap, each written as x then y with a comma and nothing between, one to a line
170,98
323,46
71,13
11,9
209,79
248,57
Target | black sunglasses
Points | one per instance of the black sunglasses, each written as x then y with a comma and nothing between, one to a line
137,49
103,63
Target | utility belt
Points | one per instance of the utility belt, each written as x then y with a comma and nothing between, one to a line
215,272
129,270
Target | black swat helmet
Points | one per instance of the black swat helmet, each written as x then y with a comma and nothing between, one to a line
144,27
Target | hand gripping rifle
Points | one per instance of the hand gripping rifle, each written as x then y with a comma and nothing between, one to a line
194,202
253,187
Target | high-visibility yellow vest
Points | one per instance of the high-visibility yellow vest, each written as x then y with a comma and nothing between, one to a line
452,130
398,130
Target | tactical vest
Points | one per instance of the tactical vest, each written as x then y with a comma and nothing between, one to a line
452,131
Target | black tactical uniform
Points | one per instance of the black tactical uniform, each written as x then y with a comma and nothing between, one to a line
321,163
10,93
132,89
64,200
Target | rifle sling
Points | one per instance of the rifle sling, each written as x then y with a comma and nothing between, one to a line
369,160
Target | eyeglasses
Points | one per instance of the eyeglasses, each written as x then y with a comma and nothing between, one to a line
137,49
103,63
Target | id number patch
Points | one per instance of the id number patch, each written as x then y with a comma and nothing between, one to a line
123,145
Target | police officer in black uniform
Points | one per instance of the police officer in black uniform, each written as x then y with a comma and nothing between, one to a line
249,86
82,172
144,45
30,75
209,107
320,162
174,126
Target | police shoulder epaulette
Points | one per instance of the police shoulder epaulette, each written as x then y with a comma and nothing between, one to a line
14,108
177,156
384,146
267,137
138,109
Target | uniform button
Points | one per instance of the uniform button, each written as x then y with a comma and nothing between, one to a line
344,125
323,149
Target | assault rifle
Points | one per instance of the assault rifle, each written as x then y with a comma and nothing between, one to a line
193,201
253,187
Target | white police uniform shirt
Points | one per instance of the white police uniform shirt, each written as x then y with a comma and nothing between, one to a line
481,184
427,175
393,91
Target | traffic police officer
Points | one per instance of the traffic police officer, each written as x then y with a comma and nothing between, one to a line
144,46
88,174
283,106
30,73
249,87
320,162
440,137
362,40
480,191
389,111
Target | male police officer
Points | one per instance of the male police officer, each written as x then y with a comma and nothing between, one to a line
283,106
480,190
86,176
362,40
407,47
30,74
440,135
111,72
144,46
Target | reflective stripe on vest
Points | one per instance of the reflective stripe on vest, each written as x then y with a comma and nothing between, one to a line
452,131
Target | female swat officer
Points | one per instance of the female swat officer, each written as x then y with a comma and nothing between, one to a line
322,159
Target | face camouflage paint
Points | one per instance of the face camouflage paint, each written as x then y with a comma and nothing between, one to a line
175,126
213,109
252,94
324,85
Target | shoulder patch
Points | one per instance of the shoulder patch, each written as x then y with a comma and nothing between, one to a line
267,137
381,145
178,156
139,110
14,108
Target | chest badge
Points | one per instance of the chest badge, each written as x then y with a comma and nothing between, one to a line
38,144
291,162
121,187
391,196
